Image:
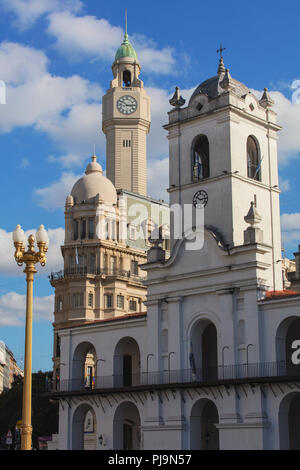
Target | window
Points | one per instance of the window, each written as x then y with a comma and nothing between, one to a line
105,261
90,300
200,158
253,160
132,232
76,231
93,263
106,225
83,229
127,143
91,229
82,262
164,341
78,300
126,78
57,354
133,305
120,301
113,229
71,262
59,304
113,264
108,300
134,267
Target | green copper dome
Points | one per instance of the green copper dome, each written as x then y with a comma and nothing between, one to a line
126,50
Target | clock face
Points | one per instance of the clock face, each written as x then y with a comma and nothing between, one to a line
127,104
200,199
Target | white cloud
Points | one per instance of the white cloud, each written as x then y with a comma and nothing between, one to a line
67,109
290,221
13,309
86,36
28,11
8,265
158,178
288,116
76,132
159,61
284,184
290,229
54,196
21,64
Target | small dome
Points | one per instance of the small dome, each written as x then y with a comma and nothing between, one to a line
126,50
93,183
213,86
93,166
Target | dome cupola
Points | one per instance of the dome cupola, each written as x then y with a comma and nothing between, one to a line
126,50
93,183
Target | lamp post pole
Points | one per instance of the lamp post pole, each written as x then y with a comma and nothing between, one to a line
29,258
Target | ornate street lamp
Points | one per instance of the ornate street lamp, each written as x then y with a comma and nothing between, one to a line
30,258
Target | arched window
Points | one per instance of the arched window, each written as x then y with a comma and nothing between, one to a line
200,158
253,160
126,78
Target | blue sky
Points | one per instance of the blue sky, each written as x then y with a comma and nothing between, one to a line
55,58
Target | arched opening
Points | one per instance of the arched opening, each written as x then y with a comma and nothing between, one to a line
253,159
84,367
127,363
287,332
200,158
84,429
289,422
127,427
204,351
126,78
204,435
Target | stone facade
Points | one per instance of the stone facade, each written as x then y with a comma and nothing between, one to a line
210,365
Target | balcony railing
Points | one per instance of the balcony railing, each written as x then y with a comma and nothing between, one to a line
212,375
78,271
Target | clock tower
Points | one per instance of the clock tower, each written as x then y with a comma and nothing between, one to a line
126,123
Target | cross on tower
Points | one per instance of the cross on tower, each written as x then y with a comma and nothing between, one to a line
220,50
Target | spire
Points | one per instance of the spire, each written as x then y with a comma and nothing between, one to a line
125,40
221,68
126,49
266,100
177,99
227,83
253,234
252,218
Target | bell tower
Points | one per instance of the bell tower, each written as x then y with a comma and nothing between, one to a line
126,122
223,160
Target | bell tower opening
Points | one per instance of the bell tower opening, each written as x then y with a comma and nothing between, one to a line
126,78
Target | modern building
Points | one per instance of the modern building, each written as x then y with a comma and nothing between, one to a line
207,358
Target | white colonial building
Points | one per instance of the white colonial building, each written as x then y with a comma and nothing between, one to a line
206,361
